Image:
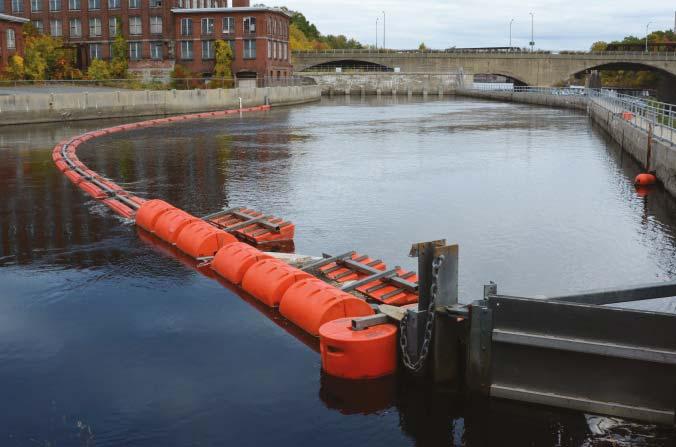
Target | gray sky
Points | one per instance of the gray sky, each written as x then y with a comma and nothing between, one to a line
559,24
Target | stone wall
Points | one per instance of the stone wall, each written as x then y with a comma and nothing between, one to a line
388,83
631,138
42,108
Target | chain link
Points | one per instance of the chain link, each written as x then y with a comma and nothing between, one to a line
418,364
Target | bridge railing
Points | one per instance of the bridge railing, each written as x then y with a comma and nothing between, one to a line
643,112
667,55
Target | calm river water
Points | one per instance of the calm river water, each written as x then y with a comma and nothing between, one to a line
107,339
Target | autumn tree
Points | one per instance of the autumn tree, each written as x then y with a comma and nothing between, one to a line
223,67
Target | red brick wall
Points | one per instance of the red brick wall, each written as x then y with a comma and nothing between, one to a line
6,53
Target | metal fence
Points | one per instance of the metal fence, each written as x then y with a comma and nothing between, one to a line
643,112
666,55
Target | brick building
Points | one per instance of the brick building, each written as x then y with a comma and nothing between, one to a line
161,33
11,39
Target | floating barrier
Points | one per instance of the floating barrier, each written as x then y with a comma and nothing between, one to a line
170,223
311,302
149,212
645,179
366,354
201,240
253,226
233,260
341,271
269,279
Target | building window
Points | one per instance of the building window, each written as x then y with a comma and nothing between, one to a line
286,51
250,25
156,50
95,51
155,3
17,5
94,4
186,27
113,26
55,5
269,49
156,25
207,26
55,28
134,51
94,27
11,39
74,5
39,27
36,5
207,49
249,49
232,48
134,4
135,27
228,25
75,28
186,49
113,4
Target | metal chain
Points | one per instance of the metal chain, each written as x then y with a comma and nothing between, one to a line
418,364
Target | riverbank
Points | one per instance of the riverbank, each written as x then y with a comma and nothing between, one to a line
631,137
56,107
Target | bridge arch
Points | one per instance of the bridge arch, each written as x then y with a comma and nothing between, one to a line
510,78
348,65
619,65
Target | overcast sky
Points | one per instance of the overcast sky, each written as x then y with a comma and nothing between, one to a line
559,24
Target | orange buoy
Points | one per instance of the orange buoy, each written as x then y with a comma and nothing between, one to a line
201,240
92,190
62,166
149,212
311,302
269,279
169,224
627,116
234,260
74,177
645,179
365,354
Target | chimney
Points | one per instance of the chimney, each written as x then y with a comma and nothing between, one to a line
240,3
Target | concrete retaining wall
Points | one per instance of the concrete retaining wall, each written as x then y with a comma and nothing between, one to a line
388,83
42,108
631,138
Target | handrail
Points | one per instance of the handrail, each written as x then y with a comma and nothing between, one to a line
520,53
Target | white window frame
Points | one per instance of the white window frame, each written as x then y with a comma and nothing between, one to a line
135,26
113,26
55,5
17,5
137,54
36,5
134,4
98,53
114,4
186,27
153,53
55,28
249,48
11,39
156,24
93,5
208,25
38,25
211,50
78,27
249,25
187,50
228,25
74,5
95,27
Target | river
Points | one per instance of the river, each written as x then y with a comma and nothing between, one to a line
108,339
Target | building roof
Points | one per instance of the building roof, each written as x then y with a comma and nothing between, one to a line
237,9
8,18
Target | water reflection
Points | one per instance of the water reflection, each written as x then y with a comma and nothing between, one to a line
110,336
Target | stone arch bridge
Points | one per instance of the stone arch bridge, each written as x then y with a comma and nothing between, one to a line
525,68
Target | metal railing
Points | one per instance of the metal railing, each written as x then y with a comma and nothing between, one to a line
517,52
643,112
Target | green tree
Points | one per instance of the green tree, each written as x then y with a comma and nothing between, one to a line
599,46
119,62
99,70
45,57
422,46
15,69
223,67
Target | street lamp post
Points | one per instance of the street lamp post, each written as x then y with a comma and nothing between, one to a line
377,20
646,35
510,33
532,34
384,30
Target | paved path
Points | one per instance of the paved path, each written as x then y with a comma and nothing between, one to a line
661,132
58,88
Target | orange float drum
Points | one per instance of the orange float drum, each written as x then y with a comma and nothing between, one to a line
119,208
201,240
645,179
149,212
170,224
92,190
233,260
311,302
366,354
269,279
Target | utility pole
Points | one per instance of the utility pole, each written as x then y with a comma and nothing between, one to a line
384,31
377,20
646,36
532,32
510,33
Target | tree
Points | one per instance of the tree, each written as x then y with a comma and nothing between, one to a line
599,46
422,46
223,67
119,62
45,57
15,69
99,70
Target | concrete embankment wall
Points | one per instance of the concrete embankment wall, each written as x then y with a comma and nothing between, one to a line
388,83
42,108
631,138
